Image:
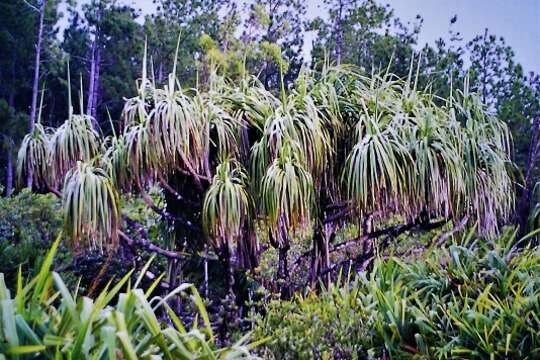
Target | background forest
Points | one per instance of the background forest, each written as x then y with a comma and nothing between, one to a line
191,184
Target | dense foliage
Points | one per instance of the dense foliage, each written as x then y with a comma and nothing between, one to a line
28,225
45,319
472,299
334,137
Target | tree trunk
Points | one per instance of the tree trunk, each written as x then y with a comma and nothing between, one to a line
323,232
9,169
524,203
96,89
226,259
321,255
9,165
280,241
339,33
484,69
37,62
186,231
283,272
35,83
91,79
11,98
247,248
93,82
206,271
175,270
160,75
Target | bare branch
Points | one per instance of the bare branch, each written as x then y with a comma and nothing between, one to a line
196,176
392,231
170,189
165,214
148,245
31,6
338,215
54,191
442,237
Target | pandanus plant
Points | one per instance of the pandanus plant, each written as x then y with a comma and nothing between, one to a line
91,207
336,147
32,159
33,156
227,208
287,201
68,154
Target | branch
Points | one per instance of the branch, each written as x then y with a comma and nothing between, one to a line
148,274
163,213
151,276
442,237
137,226
148,200
366,258
393,231
54,191
170,189
338,205
148,245
334,267
338,215
144,242
192,172
195,175
31,6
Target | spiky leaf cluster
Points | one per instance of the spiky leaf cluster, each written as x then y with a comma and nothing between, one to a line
375,142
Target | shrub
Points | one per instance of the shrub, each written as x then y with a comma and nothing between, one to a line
28,225
311,326
45,320
475,299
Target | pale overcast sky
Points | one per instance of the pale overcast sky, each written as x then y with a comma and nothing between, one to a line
518,21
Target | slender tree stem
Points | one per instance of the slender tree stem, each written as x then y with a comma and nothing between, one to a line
35,83
523,207
37,63
9,168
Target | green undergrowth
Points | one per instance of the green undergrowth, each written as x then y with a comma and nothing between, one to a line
43,319
475,299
